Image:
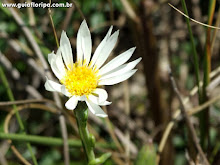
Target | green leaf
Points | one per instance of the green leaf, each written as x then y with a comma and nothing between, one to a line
147,155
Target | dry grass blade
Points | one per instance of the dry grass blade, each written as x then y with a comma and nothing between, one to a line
212,85
203,106
200,23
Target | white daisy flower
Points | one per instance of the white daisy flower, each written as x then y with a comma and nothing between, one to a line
82,80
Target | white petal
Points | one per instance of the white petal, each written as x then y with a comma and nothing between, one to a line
95,109
58,73
106,50
121,69
95,100
52,86
56,64
105,103
117,79
51,56
65,91
84,43
59,62
103,95
82,98
66,50
100,47
117,61
79,50
72,103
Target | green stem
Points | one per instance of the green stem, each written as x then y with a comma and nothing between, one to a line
101,159
51,141
48,141
11,98
195,55
88,140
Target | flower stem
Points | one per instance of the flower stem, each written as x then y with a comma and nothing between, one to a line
88,140
195,55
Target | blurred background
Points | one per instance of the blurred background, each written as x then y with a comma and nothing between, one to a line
141,108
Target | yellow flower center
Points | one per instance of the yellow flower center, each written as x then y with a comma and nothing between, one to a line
81,80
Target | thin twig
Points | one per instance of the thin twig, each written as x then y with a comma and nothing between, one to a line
6,103
177,114
186,117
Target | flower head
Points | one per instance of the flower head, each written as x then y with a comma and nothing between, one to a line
82,80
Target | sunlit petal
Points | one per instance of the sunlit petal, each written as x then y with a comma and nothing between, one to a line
117,79
117,61
66,50
72,103
84,43
106,50
100,47
103,95
121,69
95,109
52,86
